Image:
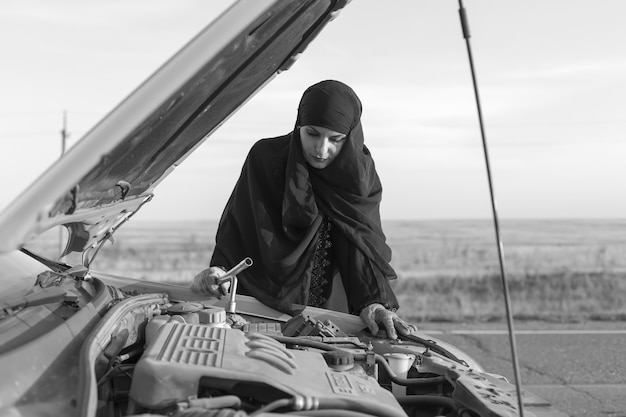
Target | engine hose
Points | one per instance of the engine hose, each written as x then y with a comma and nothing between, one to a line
305,342
330,407
329,413
203,412
283,402
436,380
432,400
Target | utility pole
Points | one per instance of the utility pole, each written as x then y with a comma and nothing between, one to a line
64,134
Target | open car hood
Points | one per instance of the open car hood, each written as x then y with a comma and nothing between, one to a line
112,171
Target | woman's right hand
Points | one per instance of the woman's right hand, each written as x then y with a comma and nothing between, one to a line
205,282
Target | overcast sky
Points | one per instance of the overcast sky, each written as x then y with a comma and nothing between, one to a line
552,78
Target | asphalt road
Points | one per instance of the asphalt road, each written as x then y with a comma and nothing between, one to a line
578,367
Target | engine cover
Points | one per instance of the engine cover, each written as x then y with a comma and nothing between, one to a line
184,359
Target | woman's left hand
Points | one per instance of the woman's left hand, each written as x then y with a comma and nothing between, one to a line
376,314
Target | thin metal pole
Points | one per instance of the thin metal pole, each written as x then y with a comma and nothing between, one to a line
64,136
505,287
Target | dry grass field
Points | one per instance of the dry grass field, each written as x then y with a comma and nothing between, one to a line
447,270
557,270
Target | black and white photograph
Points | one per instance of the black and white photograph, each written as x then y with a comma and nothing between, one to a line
325,208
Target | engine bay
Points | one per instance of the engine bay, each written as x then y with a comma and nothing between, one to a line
191,358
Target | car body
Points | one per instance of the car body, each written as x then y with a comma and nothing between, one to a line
79,342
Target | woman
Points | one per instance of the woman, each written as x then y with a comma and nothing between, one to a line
306,210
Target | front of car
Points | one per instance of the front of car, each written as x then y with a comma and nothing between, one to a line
81,342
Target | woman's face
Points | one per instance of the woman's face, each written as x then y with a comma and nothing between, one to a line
320,145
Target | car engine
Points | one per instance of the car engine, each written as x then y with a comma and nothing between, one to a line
184,360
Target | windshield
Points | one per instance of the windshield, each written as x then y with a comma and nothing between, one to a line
18,273
49,244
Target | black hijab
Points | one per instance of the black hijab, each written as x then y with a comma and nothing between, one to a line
276,209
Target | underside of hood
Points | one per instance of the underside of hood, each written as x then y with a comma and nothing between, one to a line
114,168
